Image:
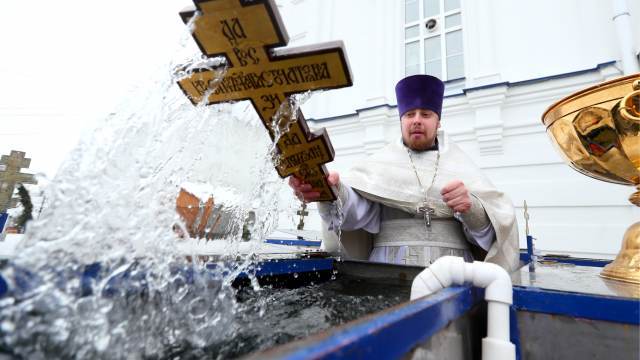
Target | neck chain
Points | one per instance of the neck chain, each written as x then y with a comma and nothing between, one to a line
424,208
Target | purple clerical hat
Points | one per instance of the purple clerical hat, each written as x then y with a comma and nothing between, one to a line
420,92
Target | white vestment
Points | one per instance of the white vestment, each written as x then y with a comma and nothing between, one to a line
388,178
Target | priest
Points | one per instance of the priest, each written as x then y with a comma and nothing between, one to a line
420,197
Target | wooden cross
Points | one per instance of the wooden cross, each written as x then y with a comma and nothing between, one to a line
247,34
10,175
302,212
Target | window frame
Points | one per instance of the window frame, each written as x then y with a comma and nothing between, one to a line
423,35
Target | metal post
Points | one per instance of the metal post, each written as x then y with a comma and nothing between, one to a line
3,221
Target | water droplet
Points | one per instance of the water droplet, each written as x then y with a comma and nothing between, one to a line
7,326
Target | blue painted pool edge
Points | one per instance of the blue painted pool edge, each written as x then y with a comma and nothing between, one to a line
526,258
605,308
405,326
285,266
294,242
266,268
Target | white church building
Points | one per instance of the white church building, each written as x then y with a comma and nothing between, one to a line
504,63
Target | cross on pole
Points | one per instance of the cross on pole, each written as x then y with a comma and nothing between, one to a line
10,175
302,212
248,34
526,218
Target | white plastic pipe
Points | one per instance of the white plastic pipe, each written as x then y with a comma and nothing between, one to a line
452,270
622,20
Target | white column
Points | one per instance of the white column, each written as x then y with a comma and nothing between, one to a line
489,124
373,122
622,20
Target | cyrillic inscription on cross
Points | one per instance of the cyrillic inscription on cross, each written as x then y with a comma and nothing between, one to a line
247,34
10,175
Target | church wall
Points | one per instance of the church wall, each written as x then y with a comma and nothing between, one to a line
542,38
524,41
531,55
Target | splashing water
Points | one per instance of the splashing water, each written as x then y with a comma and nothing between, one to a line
112,203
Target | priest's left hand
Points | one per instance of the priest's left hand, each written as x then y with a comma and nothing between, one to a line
456,196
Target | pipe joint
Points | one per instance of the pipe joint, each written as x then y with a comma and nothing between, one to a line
500,290
451,270
447,270
425,284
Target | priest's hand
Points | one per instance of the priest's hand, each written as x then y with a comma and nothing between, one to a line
456,196
303,190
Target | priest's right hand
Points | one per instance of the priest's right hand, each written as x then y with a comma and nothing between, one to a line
305,192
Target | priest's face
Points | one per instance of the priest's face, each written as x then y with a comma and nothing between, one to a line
419,128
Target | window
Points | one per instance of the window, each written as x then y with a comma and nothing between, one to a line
433,38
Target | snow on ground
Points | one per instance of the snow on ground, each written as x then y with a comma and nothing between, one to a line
7,247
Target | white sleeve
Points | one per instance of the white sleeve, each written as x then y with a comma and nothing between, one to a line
357,212
483,237
476,225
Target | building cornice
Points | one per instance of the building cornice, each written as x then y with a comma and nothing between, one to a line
516,92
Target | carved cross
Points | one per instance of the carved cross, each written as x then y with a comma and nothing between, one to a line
248,34
10,175
427,212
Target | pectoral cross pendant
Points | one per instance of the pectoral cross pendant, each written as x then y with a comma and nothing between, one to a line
426,212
